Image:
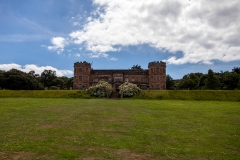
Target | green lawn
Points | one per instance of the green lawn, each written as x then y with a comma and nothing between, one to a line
39,128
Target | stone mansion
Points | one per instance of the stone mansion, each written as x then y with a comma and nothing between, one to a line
153,78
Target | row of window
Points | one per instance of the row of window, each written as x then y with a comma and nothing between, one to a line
83,78
81,70
157,78
158,70
120,79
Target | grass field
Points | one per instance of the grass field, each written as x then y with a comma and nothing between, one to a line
40,128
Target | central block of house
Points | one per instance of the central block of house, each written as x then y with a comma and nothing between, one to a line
153,78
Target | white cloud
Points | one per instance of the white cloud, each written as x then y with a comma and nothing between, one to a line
97,55
76,23
203,30
77,55
7,67
37,69
58,44
113,59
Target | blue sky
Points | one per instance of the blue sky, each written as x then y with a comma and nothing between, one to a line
189,36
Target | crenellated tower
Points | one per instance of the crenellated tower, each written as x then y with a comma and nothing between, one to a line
82,72
157,75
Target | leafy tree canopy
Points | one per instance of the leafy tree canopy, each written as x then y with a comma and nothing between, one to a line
212,82
17,80
136,67
169,82
47,77
236,69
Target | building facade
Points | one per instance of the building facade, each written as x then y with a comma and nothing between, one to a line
153,78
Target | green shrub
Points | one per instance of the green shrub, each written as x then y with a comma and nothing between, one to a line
102,89
40,86
53,87
128,89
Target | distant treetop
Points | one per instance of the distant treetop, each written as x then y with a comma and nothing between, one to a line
236,69
136,67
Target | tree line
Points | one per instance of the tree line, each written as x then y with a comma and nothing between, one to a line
18,80
211,81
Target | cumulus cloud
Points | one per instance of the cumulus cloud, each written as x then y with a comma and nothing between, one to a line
76,23
203,30
6,67
58,44
97,55
113,59
77,55
38,69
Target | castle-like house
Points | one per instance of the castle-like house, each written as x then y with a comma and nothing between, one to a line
153,78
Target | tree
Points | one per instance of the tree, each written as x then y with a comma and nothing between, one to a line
69,82
32,73
201,82
189,81
65,80
102,89
128,89
2,79
220,76
198,74
36,76
236,69
17,80
136,67
47,77
58,82
230,80
212,82
169,82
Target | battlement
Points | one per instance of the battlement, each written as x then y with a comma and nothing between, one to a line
156,63
84,63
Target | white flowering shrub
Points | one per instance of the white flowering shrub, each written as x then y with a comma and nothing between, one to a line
128,89
102,89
